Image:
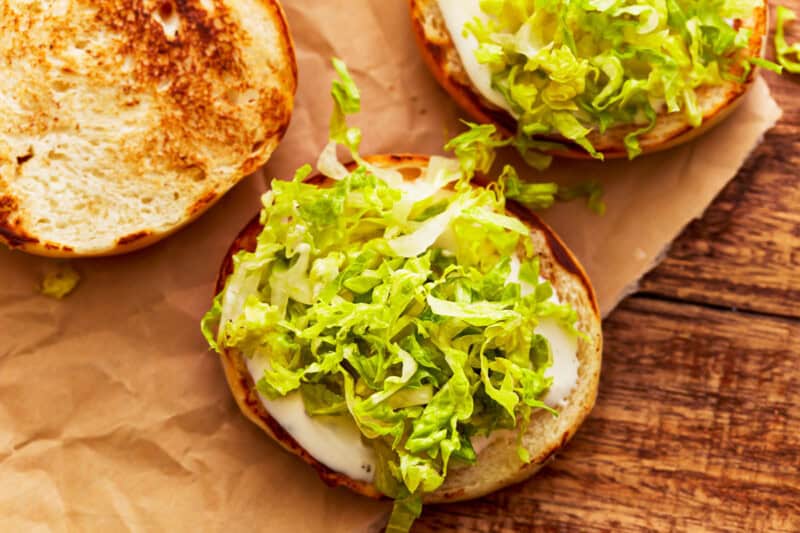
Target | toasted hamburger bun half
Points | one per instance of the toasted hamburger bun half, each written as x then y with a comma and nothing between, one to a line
125,120
498,464
715,102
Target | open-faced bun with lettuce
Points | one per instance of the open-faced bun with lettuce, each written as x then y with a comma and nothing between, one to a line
406,331
602,78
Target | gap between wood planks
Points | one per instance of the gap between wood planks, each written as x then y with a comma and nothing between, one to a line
649,295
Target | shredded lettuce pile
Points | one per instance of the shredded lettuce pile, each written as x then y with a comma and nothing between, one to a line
569,67
411,310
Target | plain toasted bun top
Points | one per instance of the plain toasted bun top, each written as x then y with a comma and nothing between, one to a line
715,102
123,120
498,464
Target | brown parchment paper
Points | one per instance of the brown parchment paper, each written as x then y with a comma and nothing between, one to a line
114,416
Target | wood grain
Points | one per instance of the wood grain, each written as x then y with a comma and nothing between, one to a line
697,427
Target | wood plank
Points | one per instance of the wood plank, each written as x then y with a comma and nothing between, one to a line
697,427
745,251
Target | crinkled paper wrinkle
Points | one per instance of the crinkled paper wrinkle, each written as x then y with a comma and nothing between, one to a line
113,414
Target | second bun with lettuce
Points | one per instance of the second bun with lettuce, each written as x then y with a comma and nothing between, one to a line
593,78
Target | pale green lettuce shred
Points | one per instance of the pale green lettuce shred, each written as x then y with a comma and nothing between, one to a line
60,281
392,305
570,67
783,50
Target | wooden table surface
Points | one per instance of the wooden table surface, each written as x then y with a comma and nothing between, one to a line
697,425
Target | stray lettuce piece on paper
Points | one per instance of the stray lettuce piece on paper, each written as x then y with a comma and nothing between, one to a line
60,282
542,195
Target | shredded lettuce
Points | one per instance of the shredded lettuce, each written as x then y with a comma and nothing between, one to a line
783,50
475,148
570,67
395,306
591,190
543,195
475,151
404,512
347,100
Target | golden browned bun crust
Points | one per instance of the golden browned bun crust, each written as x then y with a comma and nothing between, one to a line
498,464
124,120
671,129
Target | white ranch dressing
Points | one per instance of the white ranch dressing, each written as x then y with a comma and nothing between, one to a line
564,370
335,441
456,13
563,343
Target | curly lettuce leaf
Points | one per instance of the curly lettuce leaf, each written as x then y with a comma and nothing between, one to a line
347,101
784,50
543,195
591,190
475,148
319,399
404,512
